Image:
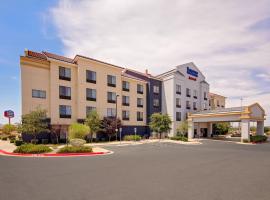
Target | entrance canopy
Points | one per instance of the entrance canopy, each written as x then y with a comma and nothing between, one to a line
245,115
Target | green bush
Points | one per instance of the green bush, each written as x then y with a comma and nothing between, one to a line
44,141
180,137
32,148
245,141
12,141
78,131
73,149
8,128
18,142
77,142
11,137
258,138
132,137
34,141
4,137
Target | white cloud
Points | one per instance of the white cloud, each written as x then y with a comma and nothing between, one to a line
157,34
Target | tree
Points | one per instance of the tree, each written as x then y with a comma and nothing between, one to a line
109,126
221,128
183,128
160,123
266,129
93,122
8,128
78,131
34,122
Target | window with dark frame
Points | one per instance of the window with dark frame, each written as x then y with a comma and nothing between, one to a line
187,105
91,76
64,92
178,102
65,111
125,86
139,89
125,115
139,116
178,89
91,94
178,116
205,96
111,112
188,92
111,97
89,109
64,73
195,96
156,103
125,100
156,89
139,102
39,94
194,106
111,81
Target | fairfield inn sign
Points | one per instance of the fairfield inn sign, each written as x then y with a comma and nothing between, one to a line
193,74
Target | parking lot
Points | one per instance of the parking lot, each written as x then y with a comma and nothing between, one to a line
213,170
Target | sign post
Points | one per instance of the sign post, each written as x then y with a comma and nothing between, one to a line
9,114
135,131
120,129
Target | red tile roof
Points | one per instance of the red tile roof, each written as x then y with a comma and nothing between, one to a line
57,57
36,55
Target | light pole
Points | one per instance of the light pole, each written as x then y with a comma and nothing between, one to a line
135,131
116,115
120,129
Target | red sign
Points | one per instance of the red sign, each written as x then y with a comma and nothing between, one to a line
9,114
192,78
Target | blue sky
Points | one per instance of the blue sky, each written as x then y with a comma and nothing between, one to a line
228,40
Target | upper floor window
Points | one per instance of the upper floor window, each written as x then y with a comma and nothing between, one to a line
89,109
125,115
125,100
205,96
64,73
195,94
194,106
111,112
91,76
156,89
205,106
178,102
64,92
125,86
139,102
111,81
91,94
39,94
139,88
178,89
218,103
139,116
65,111
187,104
188,92
178,116
111,97
156,103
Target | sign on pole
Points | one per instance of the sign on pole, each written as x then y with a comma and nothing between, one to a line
9,114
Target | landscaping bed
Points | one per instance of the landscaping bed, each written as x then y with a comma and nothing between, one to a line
258,138
180,138
132,137
32,149
73,149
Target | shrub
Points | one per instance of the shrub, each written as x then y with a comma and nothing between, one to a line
4,137
8,128
11,137
132,137
18,142
180,137
12,141
32,148
44,141
78,131
34,141
258,138
77,142
245,141
73,149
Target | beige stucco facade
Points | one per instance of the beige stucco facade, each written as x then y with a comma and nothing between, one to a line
41,74
216,101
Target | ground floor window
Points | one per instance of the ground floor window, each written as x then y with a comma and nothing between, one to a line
65,111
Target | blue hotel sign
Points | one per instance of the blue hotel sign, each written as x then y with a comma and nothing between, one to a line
192,72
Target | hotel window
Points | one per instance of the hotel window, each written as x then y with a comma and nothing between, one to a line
205,106
178,116
64,92
111,112
205,96
188,92
156,89
125,115
91,76
139,102
178,89
125,86
64,73
195,95
111,97
187,104
91,94
139,116
194,106
39,94
125,100
139,89
218,103
156,103
65,111
178,102
111,81
89,109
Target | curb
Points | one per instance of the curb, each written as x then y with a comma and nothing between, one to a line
55,154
